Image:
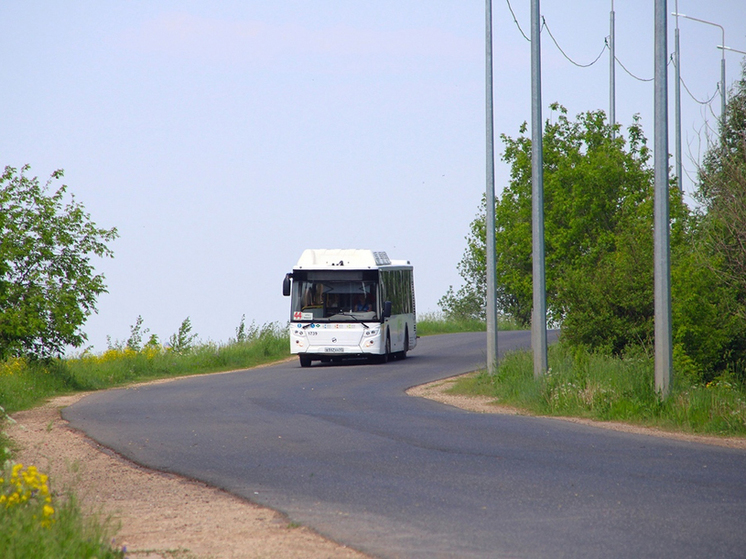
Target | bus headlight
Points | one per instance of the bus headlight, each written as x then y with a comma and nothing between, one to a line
372,331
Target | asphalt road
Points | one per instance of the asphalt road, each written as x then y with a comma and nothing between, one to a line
343,450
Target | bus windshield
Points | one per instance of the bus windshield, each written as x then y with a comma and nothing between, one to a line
330,299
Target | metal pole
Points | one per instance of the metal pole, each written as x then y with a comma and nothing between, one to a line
490,202
539,318
723,102
722,77
662,251
677,102
612,72
722,87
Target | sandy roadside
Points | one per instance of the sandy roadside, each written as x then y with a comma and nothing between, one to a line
170,517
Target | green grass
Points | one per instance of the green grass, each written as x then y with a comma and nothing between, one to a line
429,324
121,366
603,388
24,384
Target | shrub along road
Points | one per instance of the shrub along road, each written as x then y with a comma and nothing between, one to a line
343,450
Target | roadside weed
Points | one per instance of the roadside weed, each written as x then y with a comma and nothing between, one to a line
39,524
606,388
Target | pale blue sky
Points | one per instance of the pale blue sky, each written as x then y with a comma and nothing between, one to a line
223,138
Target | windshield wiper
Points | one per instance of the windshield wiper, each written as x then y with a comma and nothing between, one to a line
355,317
314,321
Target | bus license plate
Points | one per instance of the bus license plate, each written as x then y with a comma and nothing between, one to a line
334,350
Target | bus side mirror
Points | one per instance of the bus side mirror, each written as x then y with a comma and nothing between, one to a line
286,285
387,309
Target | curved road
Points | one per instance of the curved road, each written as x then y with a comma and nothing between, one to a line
343,450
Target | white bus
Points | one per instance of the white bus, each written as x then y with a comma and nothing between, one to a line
350,303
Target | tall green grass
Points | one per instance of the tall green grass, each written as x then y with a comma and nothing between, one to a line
429,324
24,384
600,387
118,366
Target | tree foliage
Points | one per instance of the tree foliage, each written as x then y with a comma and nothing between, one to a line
598,196
48,286
710,291
598,209
183,340
722,189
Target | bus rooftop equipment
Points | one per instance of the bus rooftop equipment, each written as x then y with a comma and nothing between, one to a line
350,303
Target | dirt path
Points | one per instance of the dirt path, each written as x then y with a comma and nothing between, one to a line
170,517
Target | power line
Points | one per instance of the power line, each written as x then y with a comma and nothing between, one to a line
717,92
579,65
545,25
717,89
515,19
631,74
556,43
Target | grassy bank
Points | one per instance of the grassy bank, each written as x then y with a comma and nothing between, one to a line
24,384
599,387
429,324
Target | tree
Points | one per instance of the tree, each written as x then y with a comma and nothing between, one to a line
134,342
722,190
710,291
183,340
598,233
48,286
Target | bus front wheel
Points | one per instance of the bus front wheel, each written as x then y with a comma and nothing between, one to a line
305,360
387,351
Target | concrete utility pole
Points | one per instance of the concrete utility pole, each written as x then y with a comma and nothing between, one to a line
612,71
677,101
490,201
539,318
662,250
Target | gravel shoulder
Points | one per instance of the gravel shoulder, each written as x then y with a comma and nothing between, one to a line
167,516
